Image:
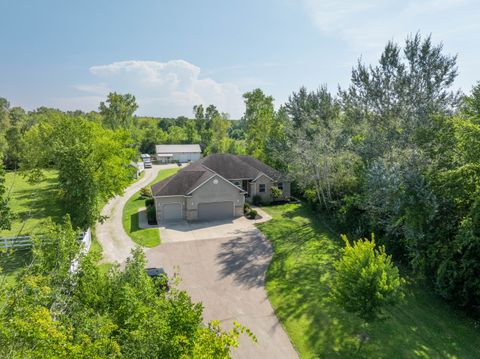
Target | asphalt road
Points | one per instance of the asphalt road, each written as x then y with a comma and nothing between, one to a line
227,275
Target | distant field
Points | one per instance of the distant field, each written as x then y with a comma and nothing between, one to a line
32,204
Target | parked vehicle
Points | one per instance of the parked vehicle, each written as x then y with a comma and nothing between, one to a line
147,160
159,276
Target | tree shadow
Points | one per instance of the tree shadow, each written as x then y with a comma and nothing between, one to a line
134,222
41,203
298,283
13,260
246,259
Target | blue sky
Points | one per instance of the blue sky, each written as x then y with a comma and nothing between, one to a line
174,54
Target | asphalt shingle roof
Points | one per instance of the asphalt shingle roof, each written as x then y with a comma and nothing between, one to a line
226,165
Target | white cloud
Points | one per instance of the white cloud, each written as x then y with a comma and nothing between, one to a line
165,88
367,25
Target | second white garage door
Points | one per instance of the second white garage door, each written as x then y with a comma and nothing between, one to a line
172,212
215,210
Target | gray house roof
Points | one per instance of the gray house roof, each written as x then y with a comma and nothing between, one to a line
182,182
178,148
228,166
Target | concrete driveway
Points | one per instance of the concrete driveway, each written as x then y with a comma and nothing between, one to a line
189,231
227,275
115,242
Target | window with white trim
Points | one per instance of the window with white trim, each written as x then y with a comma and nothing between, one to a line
261,188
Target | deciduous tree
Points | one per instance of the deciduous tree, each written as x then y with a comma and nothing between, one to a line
92,162
366,281
118,111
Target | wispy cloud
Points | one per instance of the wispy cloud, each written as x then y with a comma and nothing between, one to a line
367,25
99,89
169,88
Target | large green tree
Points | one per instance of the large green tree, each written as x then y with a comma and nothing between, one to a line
92,162
389,103
319,158
258,120
4,123
19,124
5,213
51,312
118,111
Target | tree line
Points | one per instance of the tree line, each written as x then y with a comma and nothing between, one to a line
394,153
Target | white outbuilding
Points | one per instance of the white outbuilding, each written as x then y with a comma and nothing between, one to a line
178,153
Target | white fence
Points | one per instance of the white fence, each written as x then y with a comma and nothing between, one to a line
85,247
26,241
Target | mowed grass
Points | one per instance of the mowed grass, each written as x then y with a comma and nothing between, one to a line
147,237
32,203
297,283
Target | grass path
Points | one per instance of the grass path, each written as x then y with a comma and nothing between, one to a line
147,237
297,285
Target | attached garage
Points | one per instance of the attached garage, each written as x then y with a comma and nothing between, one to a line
215,210
172,212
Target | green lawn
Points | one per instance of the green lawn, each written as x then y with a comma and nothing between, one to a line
96,249
147,237
32,204
423,326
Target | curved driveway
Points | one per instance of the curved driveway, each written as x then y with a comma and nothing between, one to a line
114,240
226,274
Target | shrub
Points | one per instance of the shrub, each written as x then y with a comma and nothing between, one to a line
146,192
252,214
257,200
276,193
366,280
151,215
246,208
149,202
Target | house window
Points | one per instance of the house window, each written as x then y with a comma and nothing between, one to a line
280,186
236,183
261,188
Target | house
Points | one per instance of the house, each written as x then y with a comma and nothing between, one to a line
178,153
215,187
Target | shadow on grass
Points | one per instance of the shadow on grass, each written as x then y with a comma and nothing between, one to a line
41,203
15,259
298,282
245,258
134,218
298,285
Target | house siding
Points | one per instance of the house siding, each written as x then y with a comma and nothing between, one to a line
181,157
266,196
286,189
210,192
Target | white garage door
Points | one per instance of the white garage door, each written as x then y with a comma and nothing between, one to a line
172,212
215,210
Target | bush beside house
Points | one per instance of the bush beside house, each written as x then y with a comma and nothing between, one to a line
151,212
